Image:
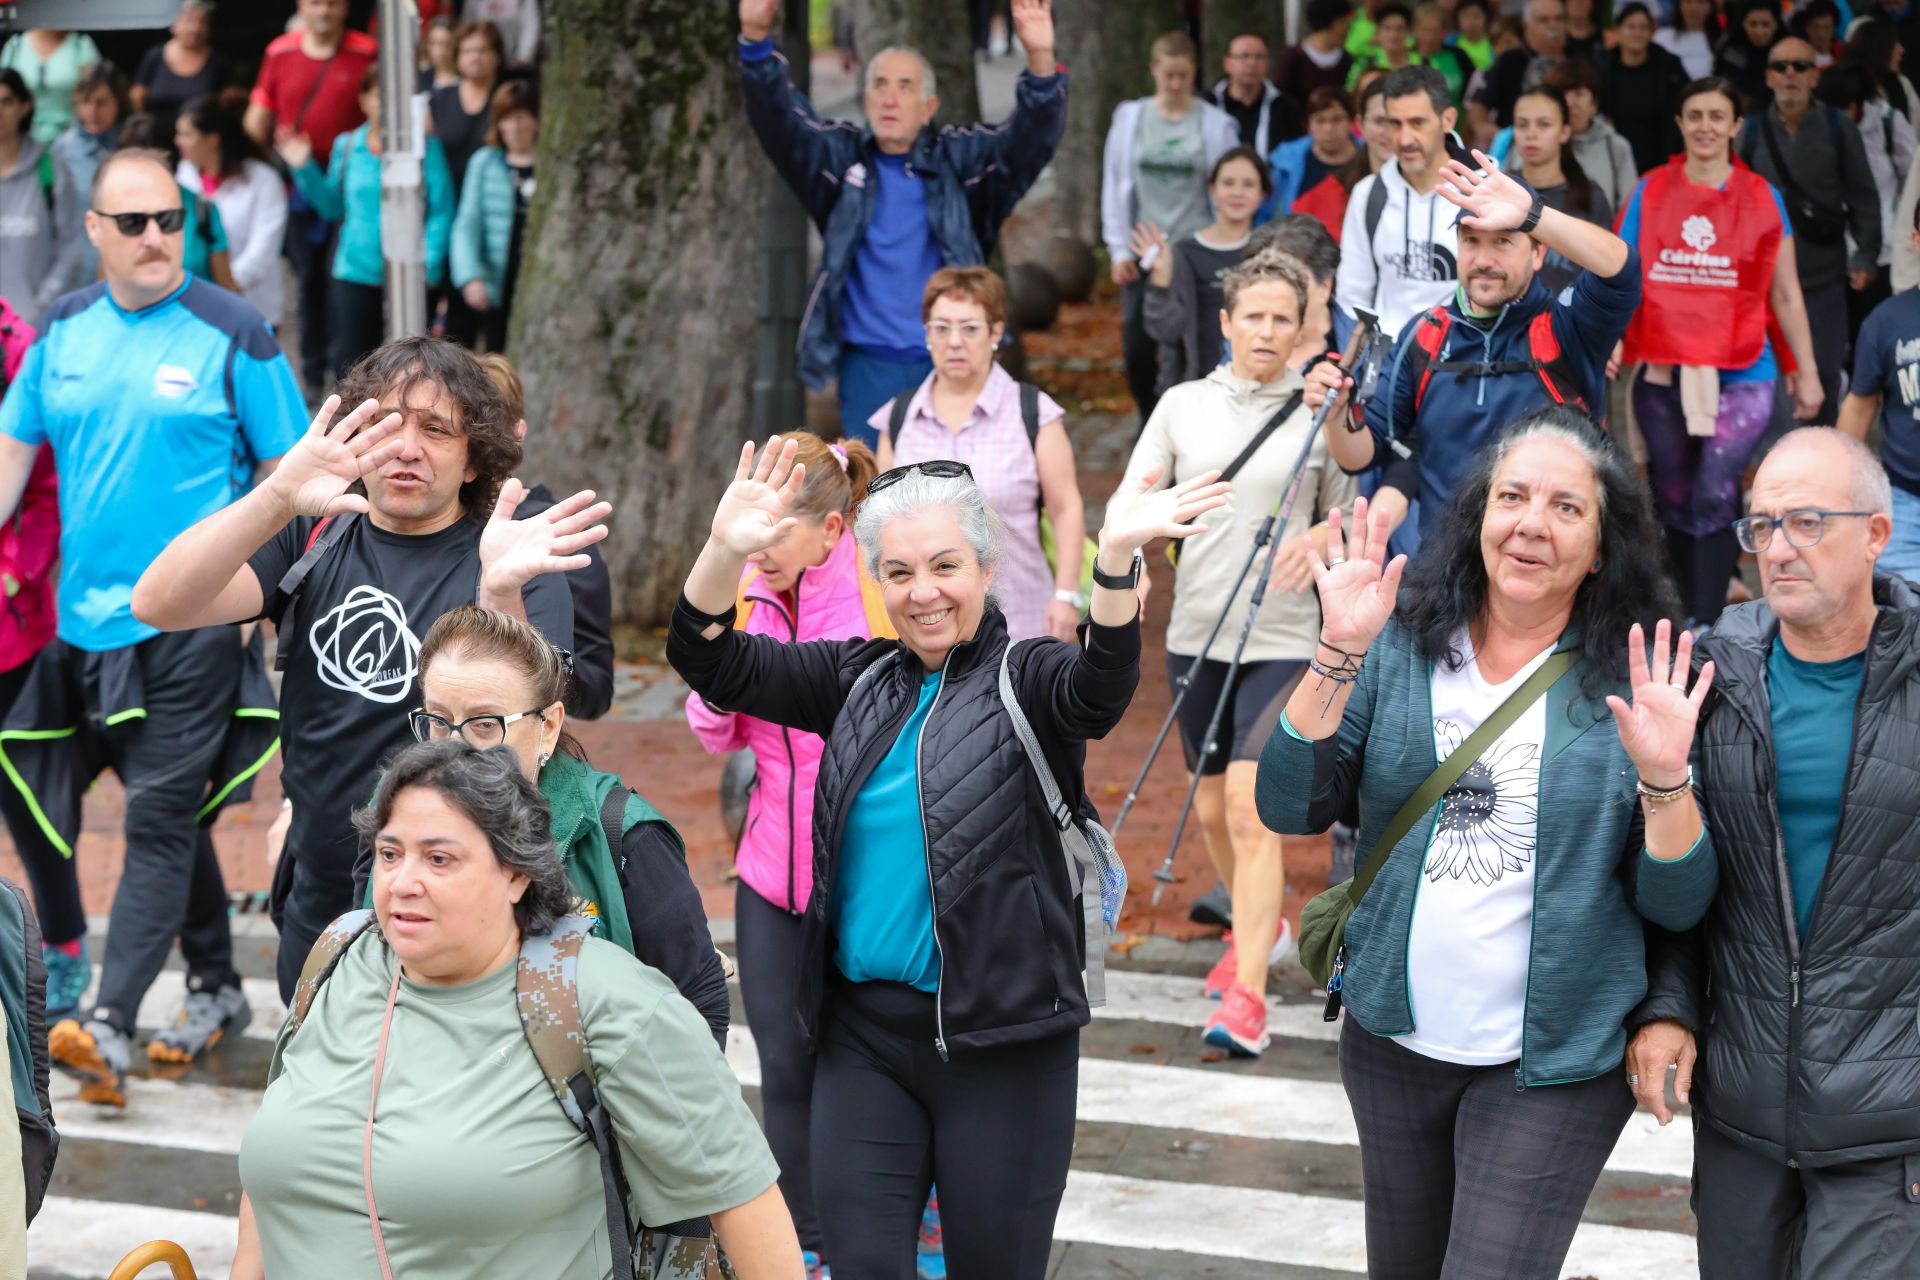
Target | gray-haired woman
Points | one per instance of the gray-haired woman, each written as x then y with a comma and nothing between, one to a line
941,982
406,1129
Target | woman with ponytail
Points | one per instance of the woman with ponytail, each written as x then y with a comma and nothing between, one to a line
808,586
1543,155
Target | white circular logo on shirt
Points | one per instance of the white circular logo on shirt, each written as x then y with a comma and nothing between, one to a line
1698,233
363,645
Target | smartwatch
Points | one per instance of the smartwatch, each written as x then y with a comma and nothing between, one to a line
1533,215
1125,583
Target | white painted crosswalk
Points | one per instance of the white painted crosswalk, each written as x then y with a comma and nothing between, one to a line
1161,1113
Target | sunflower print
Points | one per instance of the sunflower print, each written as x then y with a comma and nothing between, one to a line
1486,826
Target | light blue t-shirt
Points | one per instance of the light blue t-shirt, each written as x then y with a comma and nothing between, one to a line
1813,705
155,418
891,264
1762,370
882,908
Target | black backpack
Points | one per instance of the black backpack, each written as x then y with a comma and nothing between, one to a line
23,998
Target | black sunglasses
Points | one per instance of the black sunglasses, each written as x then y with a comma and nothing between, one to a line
1801,65
939,469
170,221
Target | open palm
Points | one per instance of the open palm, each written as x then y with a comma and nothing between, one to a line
1139,513
515,552
752,514
1357,587
1656,728
313,477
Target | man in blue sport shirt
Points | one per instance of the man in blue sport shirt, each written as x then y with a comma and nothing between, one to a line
159,394
895,200
1503,347
1886,384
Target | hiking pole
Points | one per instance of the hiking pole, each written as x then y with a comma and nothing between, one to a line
1356,350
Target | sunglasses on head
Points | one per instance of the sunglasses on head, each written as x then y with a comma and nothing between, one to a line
939,470
170,221
1801,65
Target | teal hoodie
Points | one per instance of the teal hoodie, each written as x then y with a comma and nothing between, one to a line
348,192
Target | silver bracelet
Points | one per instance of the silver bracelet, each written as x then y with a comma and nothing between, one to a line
1658,795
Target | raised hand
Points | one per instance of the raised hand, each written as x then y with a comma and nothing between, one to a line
1148,239
313,477
1033,27
757,18
1488,199
1357,587
752,514
515,552
1139,514
1657,727
295,148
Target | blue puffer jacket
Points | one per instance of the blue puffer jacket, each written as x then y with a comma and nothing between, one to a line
974,177
1594,882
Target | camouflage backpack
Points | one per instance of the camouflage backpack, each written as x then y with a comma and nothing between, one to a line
547,988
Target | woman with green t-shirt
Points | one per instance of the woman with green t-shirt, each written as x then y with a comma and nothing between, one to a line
407,1129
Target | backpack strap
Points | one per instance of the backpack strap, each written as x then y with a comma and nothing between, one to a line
1376,208
1429,339
613,821
872,672
325,957
897,416
1556,369
324,535
1030,413
547,987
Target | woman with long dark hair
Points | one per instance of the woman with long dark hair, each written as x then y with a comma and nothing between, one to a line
1639,83
1488,971
1543,155
1873,46
1752,28
221,162
1691,33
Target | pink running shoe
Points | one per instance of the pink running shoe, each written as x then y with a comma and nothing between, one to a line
1239,1025
1221,976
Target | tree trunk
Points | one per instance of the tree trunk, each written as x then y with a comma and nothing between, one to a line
634,312
942,33
1104,45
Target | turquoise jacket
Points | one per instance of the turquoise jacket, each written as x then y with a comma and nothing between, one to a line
483,229
1594,881
348,192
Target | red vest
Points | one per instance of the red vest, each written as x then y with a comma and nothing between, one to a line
1327,202
1706,264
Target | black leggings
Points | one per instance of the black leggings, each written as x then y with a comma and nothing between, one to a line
1468,1177
768,939
993,1126
1252,713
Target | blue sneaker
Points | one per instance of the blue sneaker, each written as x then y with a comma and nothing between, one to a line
67,980
932,1257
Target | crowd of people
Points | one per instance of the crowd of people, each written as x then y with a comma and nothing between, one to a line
1529,403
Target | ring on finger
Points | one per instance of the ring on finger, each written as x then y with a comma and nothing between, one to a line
1334,560
1633,1081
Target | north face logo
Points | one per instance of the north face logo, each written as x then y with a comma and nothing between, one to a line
1698,233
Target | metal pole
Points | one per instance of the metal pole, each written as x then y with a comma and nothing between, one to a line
779,403
402,192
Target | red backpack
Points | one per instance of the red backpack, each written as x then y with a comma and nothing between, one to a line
1546,360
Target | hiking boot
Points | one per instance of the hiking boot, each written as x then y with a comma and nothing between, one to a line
932,1258
97,1055
204,1018
68,978
1221,976
1239,1025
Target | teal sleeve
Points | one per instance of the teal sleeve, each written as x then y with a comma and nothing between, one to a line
439,211
21,412
216,231
1675,893
464,252
267,401
323,188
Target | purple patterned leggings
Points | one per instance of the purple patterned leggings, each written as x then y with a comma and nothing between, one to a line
1696,479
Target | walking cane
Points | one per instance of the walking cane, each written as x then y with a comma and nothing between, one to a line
1357,347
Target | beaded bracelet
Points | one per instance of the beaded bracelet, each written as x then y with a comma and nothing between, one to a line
1664,795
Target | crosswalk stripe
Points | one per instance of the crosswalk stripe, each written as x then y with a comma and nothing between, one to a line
1284,1228
87,1237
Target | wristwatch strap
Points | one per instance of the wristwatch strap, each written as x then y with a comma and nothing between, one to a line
1126,582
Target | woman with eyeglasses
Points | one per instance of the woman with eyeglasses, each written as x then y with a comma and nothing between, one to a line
941,975
493,680
1717,260
1013,438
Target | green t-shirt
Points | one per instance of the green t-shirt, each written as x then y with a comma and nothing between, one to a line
475,1169
1813,704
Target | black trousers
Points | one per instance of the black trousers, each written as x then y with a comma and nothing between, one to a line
1827,314
359,323
993,1126
55,884
1760,1220
308,895
1138,350
768,940
309,246
1467,1176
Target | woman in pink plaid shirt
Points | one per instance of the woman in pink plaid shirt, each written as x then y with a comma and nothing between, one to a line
968,410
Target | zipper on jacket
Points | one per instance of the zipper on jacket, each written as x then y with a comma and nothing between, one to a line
926,846
786,737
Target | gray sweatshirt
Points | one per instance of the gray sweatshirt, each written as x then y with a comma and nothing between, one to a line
42,232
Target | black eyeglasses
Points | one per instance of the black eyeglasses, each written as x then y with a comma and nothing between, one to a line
170,221
479,731
940,469
1803,528
1800,65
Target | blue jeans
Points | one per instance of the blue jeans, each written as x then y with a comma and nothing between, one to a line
868,381
1902,556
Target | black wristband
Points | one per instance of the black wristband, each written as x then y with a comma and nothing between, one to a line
1125,582
706,619
1533,215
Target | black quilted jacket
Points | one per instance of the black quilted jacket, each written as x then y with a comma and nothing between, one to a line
1005,920
1810,1048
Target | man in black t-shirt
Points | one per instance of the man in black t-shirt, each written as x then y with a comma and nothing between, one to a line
364,534
1519,70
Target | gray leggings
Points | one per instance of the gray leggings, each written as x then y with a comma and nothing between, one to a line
1467,1176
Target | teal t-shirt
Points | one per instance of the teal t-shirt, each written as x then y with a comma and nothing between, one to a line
882,906
1813,706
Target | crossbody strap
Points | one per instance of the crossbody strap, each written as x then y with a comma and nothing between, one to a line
1448,771
1245,456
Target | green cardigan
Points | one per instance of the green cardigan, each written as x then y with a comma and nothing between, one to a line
1594,881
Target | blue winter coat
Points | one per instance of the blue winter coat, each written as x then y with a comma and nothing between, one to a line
974,176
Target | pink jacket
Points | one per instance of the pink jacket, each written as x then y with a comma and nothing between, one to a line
30,541
775,858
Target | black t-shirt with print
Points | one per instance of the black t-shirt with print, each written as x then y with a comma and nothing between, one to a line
353,660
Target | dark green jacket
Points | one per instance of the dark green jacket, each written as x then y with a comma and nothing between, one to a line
1594,881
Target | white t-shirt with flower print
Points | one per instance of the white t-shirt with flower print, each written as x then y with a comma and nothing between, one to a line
1467,951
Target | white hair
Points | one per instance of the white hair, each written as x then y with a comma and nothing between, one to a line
917,492
1872,491
926,68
